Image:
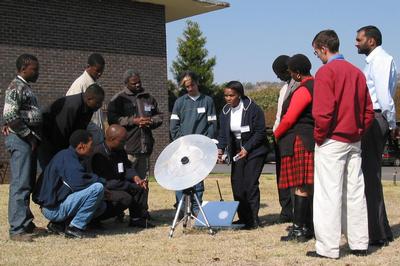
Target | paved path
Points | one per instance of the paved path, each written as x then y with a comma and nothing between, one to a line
387,171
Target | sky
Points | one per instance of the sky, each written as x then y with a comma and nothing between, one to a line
250,34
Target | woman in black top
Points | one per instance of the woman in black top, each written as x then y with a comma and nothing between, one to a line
242,135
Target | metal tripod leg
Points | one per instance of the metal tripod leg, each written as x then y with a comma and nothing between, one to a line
175,222
210,231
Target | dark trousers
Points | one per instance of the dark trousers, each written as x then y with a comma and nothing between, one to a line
372,146
141,162
198,190
138,206
133,198
46,152
245,174
285,194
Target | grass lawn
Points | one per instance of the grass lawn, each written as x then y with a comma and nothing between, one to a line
121,245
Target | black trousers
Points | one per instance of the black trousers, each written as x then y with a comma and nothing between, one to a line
285,194
245,174
134,198
372,145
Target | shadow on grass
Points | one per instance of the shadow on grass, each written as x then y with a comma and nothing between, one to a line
396,230
159,218
269,219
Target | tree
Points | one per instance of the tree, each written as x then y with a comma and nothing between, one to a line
192,55
172,94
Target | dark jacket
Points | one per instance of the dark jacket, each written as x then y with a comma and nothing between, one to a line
254,141
63,117
126,105
104,163
193,117
63,176
304,126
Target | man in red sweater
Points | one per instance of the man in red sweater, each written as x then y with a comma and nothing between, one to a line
342,110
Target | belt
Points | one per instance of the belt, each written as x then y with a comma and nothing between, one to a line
377,110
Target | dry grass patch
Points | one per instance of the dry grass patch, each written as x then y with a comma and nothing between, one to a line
123,246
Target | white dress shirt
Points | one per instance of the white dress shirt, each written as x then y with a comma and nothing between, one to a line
79,86
283,94
380,72
236,120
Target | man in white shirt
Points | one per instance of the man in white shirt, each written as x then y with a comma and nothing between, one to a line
280,68
381,75
93,71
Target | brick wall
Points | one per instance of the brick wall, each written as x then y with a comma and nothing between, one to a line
62,34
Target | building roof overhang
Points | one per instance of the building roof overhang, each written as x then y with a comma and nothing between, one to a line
179,9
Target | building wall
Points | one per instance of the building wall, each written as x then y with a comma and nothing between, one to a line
62,34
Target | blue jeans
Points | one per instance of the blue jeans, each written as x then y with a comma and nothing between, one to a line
199,189
81,206
23,178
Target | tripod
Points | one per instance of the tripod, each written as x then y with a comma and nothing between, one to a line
188,194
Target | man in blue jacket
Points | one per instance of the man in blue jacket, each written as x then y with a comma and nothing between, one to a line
68,192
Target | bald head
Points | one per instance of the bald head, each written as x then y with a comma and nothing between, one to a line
114,131
115,137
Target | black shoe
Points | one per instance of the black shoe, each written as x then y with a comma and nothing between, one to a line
238,222
306,235
34,230
314,254
379,243
56,228
140,223
119,218
73,232
291,235
299,234
30,228
359,252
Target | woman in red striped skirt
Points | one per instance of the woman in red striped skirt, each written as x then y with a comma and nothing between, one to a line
296,145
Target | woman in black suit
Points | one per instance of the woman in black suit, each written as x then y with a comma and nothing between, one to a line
242,135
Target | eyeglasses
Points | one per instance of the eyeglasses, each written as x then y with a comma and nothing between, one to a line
319,51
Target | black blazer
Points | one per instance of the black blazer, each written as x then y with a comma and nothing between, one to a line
63,117
254,141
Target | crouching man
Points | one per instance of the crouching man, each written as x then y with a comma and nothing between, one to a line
126,189
68,194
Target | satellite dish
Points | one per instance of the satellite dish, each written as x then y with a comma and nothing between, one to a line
185,162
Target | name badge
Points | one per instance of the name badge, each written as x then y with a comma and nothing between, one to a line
120,168
147,108
245,129
201,110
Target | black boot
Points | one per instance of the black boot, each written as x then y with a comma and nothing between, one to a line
294,233
308,226
309,217
300,231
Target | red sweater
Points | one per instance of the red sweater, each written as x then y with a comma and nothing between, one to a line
300,100
342,107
